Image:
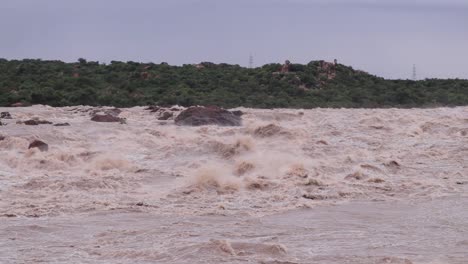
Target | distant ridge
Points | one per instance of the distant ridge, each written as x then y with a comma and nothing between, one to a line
288,85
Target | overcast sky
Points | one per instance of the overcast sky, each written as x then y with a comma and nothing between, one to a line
383,37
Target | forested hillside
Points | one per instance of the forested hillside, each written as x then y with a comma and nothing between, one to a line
316,84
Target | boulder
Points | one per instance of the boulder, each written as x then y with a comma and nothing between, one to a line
2,138
107,118
237,112
35,122
113,111
152,108
285,68
39,144
62,124
5,115
270,131
166,116
31,122
110,111
199,116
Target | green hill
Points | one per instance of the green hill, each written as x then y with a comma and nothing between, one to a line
316,84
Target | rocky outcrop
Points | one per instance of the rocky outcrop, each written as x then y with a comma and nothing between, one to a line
286,67
107,118
42,146
5,115
327,70
144,75
199,116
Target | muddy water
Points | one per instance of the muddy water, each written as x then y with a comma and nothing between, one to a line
299,186
359,232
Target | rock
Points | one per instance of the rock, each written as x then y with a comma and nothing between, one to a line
62,124
9,215
286,67
113,111
237,112
2,138
110,111
199,116
5,115
43,122
270,131
166,116
144,75
39,144
153,108
33,122
107,118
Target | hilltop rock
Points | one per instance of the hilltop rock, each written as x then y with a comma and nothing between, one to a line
286,67
199,116
107,118
42,146
5,115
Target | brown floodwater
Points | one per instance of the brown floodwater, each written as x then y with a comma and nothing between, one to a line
288,186
433,231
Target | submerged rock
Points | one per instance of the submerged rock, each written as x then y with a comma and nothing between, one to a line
166,116
42,146
199,116
153,108
269,131
237,112
62,124
107,118
110,111
5,115
33,122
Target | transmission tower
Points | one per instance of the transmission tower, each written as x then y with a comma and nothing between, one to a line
250,61
414,72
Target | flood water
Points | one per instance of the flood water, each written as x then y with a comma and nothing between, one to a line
360,232
288,186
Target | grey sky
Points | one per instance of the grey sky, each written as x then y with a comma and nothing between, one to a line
383,37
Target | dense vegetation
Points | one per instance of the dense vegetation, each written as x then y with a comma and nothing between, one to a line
122,84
